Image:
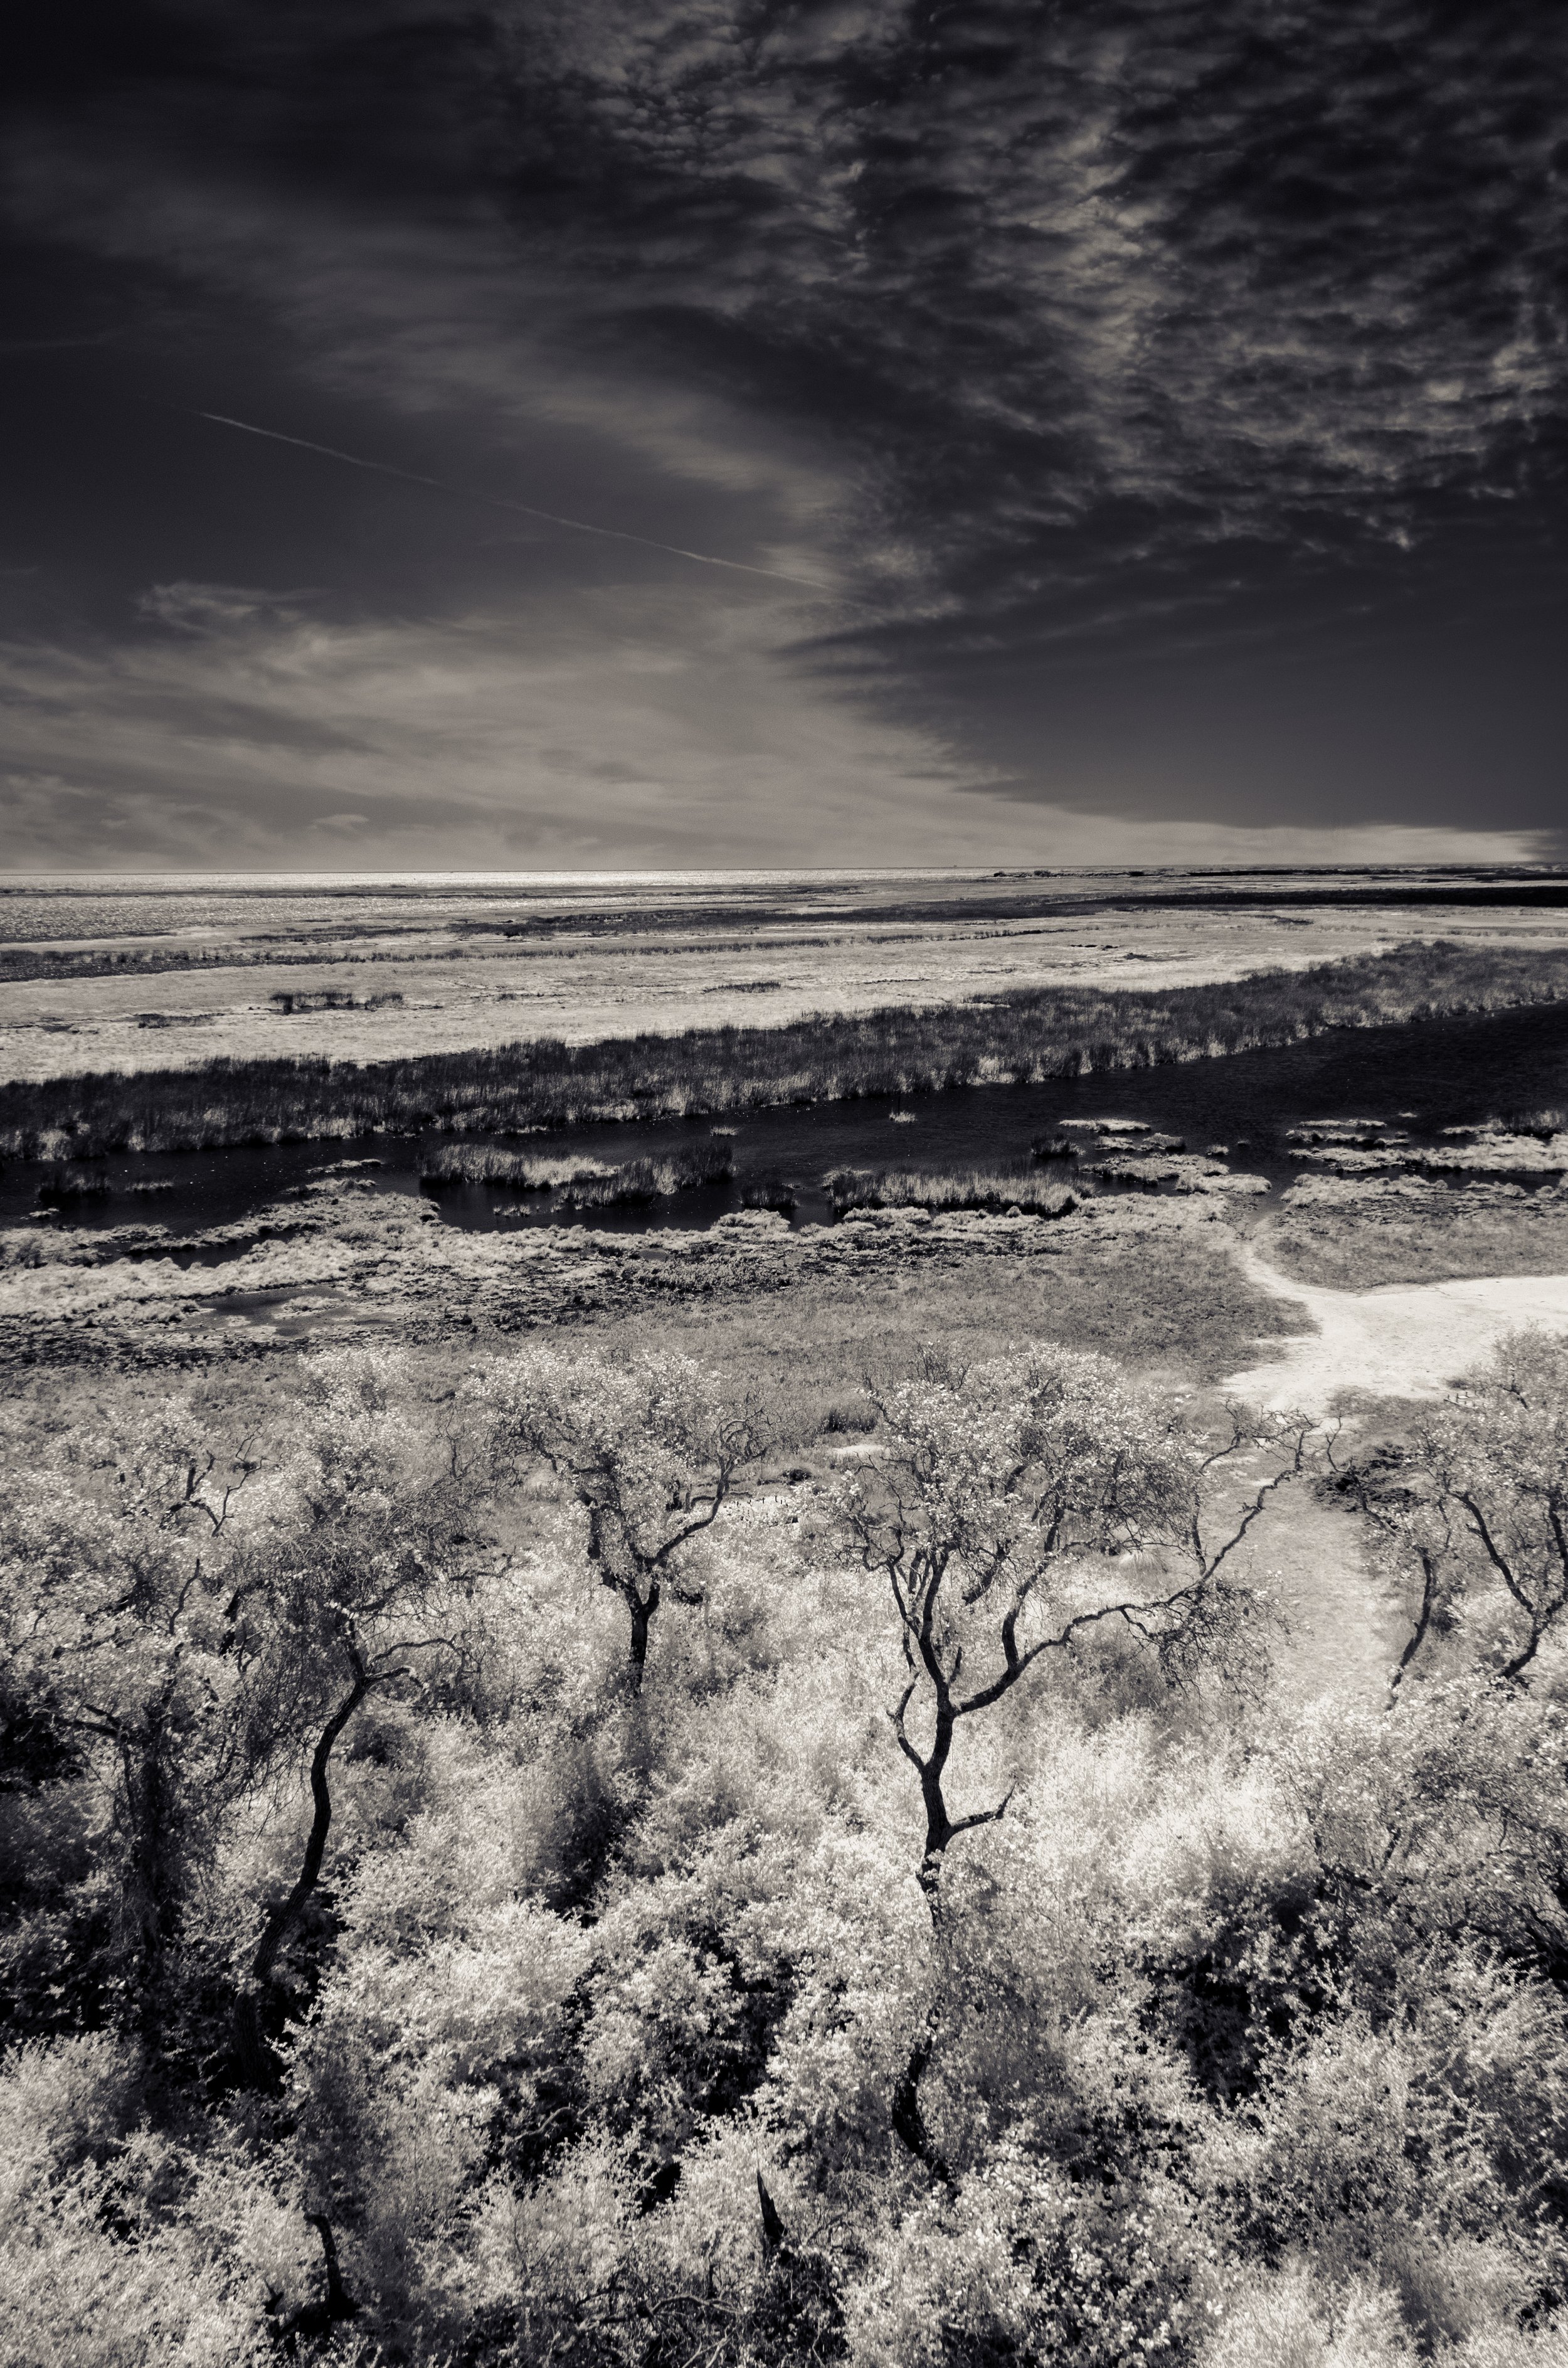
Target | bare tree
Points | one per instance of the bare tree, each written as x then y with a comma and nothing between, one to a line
1474,1504
651,1447
1013,1510
117,1558
360,1586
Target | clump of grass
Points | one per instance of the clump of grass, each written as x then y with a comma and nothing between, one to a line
770,1192
1542,1123
67,1184
882,1188
287,1000
639,1182
489,1163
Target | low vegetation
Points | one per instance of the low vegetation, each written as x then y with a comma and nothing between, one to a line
61,1187
582,1183
1542,1123
1354,1234
494,1876
1018,1037
492,1163
889,1188
638,1181
291,999
770,1192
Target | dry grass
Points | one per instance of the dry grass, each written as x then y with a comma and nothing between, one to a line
1352,1235
476,968
889,1188
638,1181
488,1163
1021,1037
1175,1304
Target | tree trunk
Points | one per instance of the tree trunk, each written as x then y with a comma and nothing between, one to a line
1423,1621
638,1656
939,1824
908,2121
151,1876
257,2062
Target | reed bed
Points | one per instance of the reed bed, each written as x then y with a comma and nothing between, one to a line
1022,1038
639,1182
770,1192
1543,1123
64,1184
288,1000
579,1183
887,1188
490,1163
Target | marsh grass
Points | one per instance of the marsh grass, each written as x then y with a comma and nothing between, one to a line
1350,1235
1022,1038
64,1184
579,1183
291,999
639,1182
489,1163
1542,1123
770,1192
884,1188
1177,1304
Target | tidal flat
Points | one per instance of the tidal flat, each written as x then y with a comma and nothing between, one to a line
1357,1079
100,975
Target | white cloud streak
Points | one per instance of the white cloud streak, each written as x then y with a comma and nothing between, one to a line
244,733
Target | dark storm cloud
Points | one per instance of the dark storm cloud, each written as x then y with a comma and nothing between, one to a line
1163,335
1219,270
1167,375
1203,271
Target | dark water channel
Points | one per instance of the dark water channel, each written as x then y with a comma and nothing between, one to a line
1421,1077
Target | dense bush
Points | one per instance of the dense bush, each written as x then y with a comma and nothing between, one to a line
497,1878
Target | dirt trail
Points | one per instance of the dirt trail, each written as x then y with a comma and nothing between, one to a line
1401,1340
1345,1624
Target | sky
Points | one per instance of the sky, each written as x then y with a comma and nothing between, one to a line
676,432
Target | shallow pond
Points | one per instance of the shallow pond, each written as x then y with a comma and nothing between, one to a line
1420,1077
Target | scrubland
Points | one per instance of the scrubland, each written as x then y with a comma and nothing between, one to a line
497,1872
1019,1037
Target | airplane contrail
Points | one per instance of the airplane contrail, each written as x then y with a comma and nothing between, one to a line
521,509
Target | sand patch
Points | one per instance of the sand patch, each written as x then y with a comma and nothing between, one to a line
1407,1341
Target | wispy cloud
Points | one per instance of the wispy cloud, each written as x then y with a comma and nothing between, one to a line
237,720
263,736
1113,335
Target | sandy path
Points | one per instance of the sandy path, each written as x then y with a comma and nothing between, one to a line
1406,1341
1346,1624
